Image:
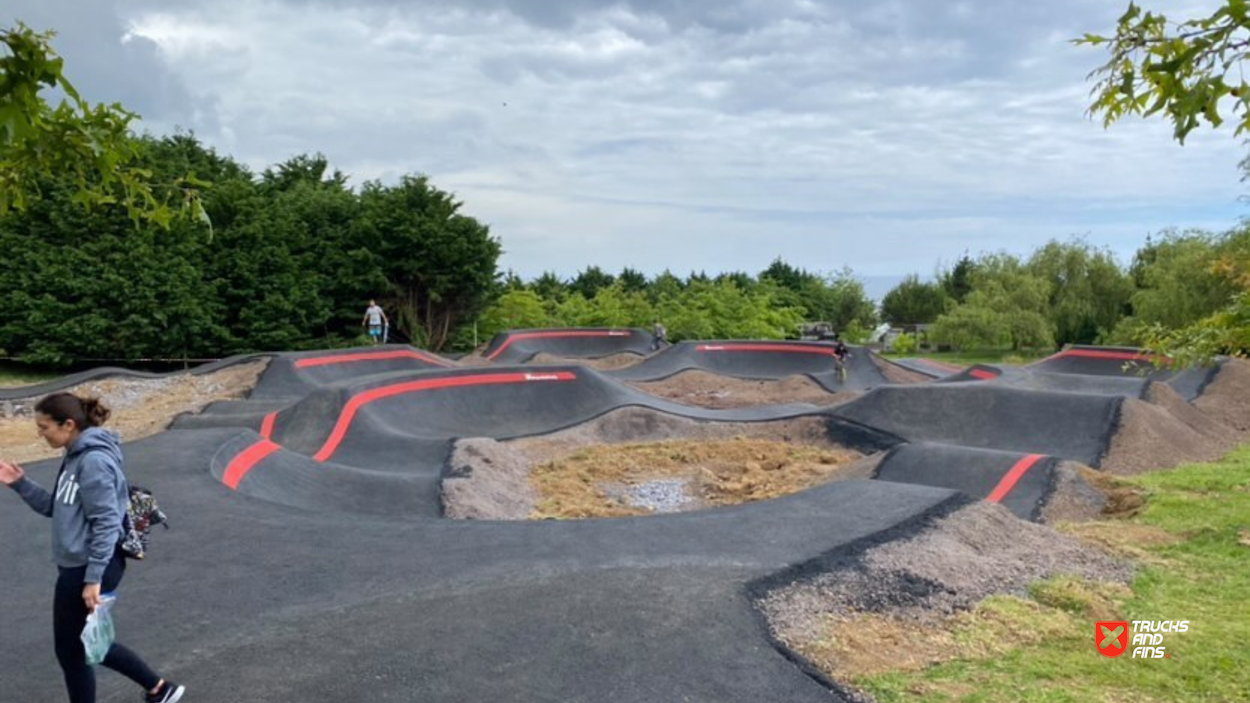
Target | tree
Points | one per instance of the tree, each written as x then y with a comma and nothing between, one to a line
1188,71
1197,300
912,302
77,284
1088,292
1006,308
440,266
785,275
1177,283
632,280
589,282
515,309
1183,69
549,287
90,142
956,282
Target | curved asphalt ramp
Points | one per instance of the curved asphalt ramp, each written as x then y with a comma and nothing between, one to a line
293,375
1022,483
758,361
1037,380
1126,363
991,416
519,346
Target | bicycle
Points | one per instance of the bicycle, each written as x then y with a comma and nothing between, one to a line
839,365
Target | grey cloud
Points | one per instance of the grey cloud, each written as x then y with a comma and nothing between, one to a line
106,69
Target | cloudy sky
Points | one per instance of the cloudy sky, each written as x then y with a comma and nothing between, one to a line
686,134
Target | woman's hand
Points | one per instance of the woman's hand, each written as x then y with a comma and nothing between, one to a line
91,595
10,473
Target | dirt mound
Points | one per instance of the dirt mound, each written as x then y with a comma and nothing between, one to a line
709,390
1076,496
141,407
604,363
1162,430
975,552
487,480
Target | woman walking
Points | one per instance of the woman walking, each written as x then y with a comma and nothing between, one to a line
87,507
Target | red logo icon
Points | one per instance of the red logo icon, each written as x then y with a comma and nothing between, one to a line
1111,637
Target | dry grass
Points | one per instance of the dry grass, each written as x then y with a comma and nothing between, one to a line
719,472
141,407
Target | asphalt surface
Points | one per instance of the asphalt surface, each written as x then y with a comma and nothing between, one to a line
308,560
520,346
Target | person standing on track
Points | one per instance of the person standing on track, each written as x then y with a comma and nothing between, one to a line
375,318
87,506
659,336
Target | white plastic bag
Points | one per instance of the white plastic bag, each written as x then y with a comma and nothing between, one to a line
97,635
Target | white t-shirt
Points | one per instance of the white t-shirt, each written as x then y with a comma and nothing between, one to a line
374,315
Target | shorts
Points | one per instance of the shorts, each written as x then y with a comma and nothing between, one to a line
375,330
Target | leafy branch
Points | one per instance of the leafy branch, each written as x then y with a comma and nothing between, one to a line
91,142
1184,70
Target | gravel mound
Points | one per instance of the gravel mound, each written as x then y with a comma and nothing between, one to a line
958,560
1163,430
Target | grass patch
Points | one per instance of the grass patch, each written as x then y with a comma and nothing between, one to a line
993,358
13,374
1194,531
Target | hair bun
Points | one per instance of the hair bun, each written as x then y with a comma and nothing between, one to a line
97,412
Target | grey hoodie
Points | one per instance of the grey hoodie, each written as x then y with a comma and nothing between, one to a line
86,510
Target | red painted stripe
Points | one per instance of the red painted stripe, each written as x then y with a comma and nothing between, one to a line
367,356
795,349
982,374
245,461
266,425
1109,354
365,397
571,333
1013,476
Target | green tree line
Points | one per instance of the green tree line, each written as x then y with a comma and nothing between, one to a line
1183,293
737,305
293,258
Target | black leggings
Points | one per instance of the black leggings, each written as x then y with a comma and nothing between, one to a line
69,615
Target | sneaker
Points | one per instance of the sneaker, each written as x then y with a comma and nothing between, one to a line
169,692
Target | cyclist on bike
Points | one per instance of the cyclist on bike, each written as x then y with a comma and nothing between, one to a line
840,354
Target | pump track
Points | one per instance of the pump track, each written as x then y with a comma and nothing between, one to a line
309,560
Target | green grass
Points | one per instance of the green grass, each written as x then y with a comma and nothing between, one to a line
17,375
1203,576
968,358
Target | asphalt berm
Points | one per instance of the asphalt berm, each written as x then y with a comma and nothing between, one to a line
313,555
